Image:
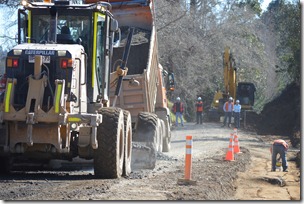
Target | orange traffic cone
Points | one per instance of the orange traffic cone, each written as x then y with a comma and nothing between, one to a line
236,147
230,155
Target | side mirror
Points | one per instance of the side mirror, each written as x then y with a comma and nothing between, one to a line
117,37
114,25
116,33
171,82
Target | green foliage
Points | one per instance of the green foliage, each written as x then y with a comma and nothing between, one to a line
286,21
170,105
191,45
255,5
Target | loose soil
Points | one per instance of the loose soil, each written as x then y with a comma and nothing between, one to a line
246,178
282,116
139,50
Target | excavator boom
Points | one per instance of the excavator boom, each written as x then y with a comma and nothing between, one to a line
243,91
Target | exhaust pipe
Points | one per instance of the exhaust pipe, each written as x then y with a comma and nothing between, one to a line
53,25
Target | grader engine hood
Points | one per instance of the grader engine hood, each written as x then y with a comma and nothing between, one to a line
35,84
41,80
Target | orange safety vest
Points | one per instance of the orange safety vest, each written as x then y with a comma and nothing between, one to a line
227,106
199,106
181,107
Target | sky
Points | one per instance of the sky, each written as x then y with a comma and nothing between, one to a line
265,4
4,20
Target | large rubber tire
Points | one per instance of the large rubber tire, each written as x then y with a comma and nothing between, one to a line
167,137
146,132
161,135
109,156
146,123
5,165
6,162
127,143
158,136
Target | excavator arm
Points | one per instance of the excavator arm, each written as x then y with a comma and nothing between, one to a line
229,74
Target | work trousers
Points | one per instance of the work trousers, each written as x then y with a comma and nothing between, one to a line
227,115
278,149
199,117
177,116
237,119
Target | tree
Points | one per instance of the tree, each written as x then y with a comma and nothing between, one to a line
8,20
285,18
191,43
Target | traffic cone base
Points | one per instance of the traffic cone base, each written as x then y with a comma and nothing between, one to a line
186,182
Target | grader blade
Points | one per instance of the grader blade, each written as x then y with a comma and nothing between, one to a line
143,156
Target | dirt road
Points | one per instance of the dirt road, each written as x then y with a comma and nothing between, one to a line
246,178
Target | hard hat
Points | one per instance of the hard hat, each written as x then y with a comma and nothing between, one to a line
199,98
178,98
230,99
237,101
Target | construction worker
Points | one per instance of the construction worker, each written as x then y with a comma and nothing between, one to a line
199,111
237,113
228,109
65,37
279,147
178,109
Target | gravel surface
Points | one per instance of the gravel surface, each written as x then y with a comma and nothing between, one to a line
216,178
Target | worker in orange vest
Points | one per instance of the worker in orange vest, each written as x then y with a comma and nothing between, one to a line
228,109
279,147
178,109
199,111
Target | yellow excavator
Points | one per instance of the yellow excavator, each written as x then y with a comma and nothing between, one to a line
242,91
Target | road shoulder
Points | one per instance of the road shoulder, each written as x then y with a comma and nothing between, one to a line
259,183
